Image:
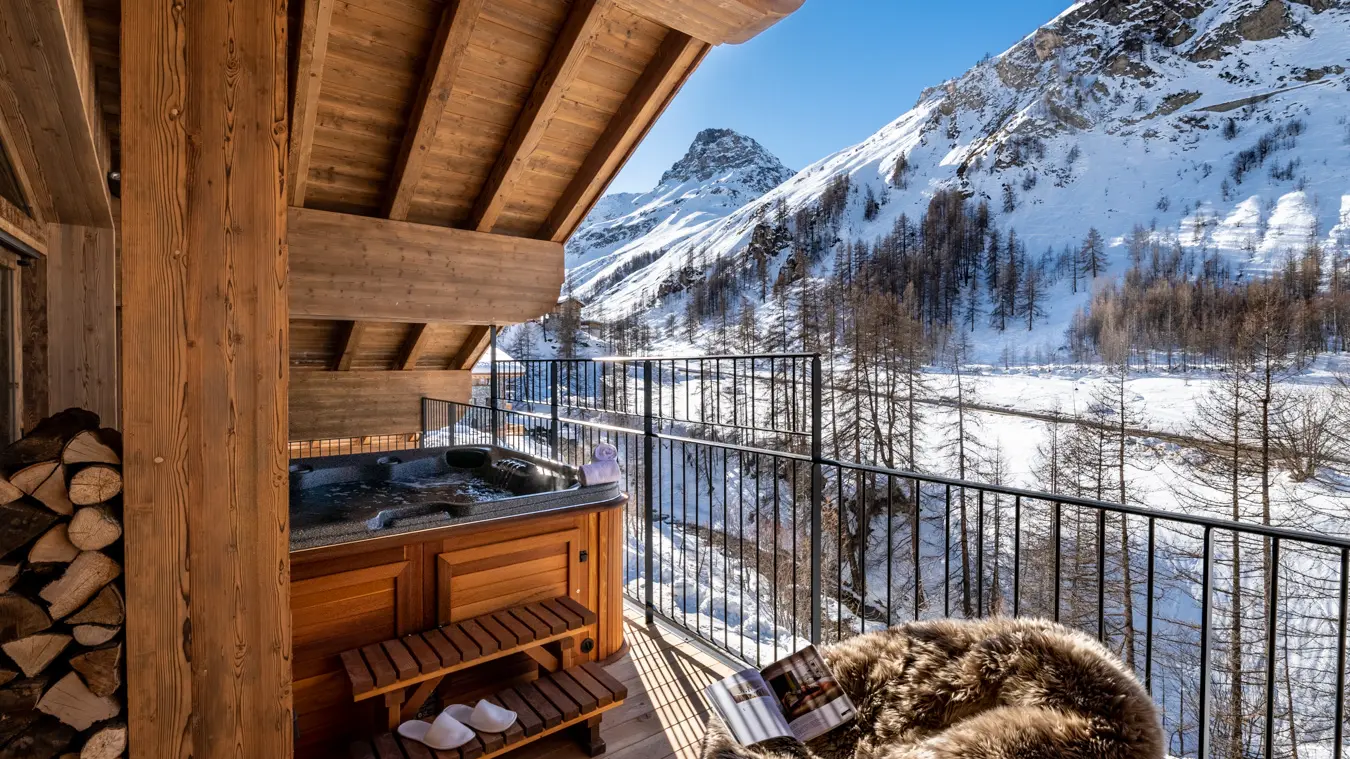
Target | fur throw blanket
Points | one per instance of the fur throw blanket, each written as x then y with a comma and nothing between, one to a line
981,689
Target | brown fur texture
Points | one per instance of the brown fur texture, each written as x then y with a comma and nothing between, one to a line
981,689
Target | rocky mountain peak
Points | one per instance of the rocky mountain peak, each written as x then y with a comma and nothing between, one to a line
715,152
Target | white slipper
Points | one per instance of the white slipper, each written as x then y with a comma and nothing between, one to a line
444,734
486,716
491,718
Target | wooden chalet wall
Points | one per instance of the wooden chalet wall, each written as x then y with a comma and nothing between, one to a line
203,138
54,134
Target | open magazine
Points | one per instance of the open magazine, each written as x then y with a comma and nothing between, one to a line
797,697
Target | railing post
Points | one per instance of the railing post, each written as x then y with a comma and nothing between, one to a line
817,497
492,387
553,405
648,454
422,438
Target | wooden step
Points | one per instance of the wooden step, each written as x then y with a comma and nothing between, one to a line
396,664
555,702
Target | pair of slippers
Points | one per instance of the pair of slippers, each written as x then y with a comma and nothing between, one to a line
451,729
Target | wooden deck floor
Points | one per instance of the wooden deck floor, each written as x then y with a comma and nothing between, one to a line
666,711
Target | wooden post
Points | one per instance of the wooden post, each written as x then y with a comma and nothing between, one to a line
205,340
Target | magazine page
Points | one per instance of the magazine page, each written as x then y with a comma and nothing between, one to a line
810,698
749,708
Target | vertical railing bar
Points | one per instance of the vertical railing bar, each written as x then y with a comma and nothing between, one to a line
1017,557
1148,605
979,554
1338,740
1056,529
817,498
1101,575
648,439
1273,605
917,543
947,555
492,385
553,404
890,547
1204,711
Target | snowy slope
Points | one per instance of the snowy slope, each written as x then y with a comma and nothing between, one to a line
1114,114
721,172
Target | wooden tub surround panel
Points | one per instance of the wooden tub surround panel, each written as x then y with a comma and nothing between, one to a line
513,596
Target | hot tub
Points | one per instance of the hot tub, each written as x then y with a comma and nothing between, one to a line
344,498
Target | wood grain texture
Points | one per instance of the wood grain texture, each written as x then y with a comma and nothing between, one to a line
205,344
82,320
349,343
715,21
480,337
50,105
312,53
558,74
350,267
23,227
448,52
33,314
413,346
677,58
349,404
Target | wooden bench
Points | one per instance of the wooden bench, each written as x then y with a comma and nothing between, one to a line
573,697
423,660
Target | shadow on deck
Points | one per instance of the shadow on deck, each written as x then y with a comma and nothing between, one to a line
666,710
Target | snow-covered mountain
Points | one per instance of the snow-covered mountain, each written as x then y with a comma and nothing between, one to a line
721,172
1223,124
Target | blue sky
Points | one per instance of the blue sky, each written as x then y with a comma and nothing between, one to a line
830,75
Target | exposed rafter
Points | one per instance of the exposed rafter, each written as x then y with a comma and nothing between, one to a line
679,55
313,52
53,121
473,348
349,341
413,347
571,48
717,21
448,52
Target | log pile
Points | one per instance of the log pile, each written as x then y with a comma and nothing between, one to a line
61,602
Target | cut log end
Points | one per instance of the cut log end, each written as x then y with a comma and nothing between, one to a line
100,668
83,579
74,704
97,483
94,635
107,743
35,652
107,608
20,617
89,447
94,527
54,547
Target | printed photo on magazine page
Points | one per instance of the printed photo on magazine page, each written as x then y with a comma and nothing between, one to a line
794,697
808,694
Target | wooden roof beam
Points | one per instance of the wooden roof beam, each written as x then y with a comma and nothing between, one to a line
413,347
349,340
561,69
678,56
448,51
53,121
353,268
16,223
313,52
472,349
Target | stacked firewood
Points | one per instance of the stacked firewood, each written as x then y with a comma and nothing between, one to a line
62,612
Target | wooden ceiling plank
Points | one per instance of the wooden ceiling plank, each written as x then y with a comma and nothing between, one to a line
448,51
48,99
413,347
349,341
472,349
313,54
564,63
678,56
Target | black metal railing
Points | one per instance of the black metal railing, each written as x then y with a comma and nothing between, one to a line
742,532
